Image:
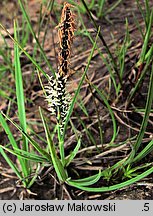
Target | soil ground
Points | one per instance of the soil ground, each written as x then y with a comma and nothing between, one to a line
113,30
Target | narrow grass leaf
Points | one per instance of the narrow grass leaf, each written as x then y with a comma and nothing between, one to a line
101,6
110,112
11,138
34,177
33,142
114,65
20,91
104,59
25,155
148,149
13,166
87,131
88,181
73,153
28,56
34,35
114,5
61,173
146,114
8,132
140,80
113,187
146,40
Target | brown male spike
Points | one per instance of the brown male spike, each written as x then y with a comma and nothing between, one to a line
65,34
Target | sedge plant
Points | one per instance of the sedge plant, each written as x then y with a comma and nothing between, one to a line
61,105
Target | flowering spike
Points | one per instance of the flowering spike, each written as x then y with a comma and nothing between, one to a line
58,98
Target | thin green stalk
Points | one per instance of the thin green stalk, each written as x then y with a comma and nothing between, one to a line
101,95
34,35
104,42
61,141
146,40
79,86
112,7
140,80
101,5
146,114
144,152
109,67
29,57
97,113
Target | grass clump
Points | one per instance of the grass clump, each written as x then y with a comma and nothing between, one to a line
114,99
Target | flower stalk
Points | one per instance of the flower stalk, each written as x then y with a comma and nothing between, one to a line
58,97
